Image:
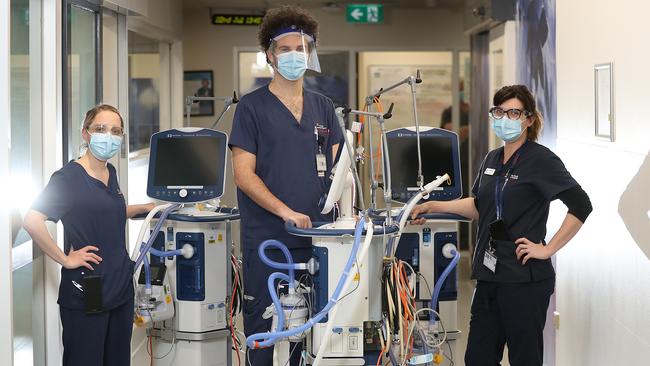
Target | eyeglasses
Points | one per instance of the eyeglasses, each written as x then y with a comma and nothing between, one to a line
115,131
514,113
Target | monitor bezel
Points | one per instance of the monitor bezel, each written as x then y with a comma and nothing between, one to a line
195,194
444,194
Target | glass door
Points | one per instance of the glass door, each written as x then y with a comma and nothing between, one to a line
24,177
82,83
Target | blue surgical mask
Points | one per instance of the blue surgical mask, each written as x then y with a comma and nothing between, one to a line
507,129
104,145
292,65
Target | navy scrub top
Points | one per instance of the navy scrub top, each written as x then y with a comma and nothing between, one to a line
285,153
536,179
92,214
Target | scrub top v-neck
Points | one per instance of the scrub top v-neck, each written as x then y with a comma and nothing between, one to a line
535,179
92,213
285,151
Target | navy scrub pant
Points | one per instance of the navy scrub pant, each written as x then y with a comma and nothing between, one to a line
508,313
102,339
257,298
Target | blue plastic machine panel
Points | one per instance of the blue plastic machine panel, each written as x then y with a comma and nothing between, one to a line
190,273
409,251
320,280
187,165
159,244
449,290
440,155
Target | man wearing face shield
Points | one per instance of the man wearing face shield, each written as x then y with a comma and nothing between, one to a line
284,140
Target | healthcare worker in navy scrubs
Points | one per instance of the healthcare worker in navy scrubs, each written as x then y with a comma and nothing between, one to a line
512,194
96,289
283,142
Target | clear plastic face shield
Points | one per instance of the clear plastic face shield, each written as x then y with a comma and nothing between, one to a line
295,52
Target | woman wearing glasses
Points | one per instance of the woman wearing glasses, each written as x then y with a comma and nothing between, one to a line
96,289
512,194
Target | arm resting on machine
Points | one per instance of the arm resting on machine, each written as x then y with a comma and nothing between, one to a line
135,210
250,183
463,207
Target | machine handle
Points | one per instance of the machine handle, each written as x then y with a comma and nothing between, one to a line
228,214
377,215
291,228
443,216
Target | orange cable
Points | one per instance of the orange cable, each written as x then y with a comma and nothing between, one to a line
232,328
380,355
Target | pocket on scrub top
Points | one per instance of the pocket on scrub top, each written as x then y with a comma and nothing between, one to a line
505,249
509,268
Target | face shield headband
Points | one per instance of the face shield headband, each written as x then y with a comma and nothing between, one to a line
308,48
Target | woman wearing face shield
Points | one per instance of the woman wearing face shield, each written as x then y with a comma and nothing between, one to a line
284,139
96,289
512,194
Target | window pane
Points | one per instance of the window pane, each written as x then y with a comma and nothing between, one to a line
144,96
20,162
20,168
253,71
82,75
332,81
23,307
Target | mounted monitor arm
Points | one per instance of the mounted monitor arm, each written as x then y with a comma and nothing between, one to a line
411,80
381,118
228,102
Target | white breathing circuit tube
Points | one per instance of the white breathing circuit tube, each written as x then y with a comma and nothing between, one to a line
332,315
144,229
406,212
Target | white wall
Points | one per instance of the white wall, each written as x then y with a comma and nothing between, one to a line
603,287
162,18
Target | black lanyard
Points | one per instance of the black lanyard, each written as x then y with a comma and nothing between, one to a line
498,188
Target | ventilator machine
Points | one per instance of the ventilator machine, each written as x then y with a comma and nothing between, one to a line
378,289
183,254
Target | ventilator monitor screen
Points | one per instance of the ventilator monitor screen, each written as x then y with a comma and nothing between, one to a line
188,162
187,165
439,151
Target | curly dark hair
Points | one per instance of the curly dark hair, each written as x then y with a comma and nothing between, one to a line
286,16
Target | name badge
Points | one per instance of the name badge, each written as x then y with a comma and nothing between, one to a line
321,164
490,261
489,171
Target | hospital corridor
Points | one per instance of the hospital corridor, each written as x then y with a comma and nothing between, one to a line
324,183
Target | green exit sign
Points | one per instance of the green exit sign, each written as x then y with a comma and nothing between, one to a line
365,13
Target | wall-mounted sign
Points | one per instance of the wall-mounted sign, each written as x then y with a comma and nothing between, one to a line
237,19
365,13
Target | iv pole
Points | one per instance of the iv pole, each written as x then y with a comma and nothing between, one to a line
411,81
381,118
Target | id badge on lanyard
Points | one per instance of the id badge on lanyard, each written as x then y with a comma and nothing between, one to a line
321,164
321,132
490,259
498,228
